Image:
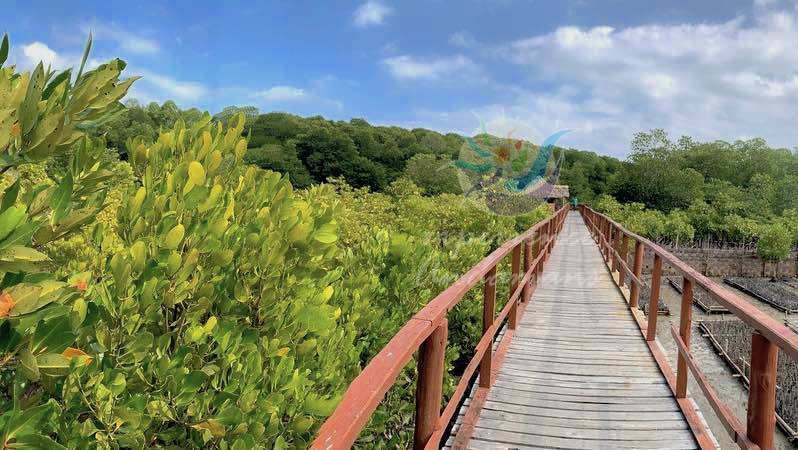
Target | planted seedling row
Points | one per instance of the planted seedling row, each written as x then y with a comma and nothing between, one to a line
770,292
700,298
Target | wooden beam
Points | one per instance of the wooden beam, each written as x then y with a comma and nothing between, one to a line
634,297
512,320
653,305
488,311
685,322
762,392
429,387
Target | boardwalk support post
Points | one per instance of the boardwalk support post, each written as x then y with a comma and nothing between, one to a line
614,250
634,295
685,321
527,293
536,251
429,387
624,252
762,392
515,278
653,306
488,311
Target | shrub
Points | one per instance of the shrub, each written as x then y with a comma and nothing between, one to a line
434,174
42,116
774,243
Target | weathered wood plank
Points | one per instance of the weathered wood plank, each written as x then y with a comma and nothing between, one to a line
620,383
566,443
569,402
553,347
597,412
584,391
576,369
608,378
625,422
585,433
576,353
584,360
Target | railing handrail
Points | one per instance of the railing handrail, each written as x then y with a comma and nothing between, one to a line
768,335
367,390
771,328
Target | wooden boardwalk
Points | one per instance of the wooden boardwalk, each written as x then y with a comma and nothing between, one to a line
578,373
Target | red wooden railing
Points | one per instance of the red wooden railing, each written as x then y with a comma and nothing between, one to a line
768,335
427,332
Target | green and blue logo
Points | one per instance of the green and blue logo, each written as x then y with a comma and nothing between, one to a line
508,176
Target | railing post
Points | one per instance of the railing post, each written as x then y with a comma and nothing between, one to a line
488,307
762,392
653,305
607,236
634,296
429,387
537,246
527,293
624,253
685,322
601,235
512,319
615,251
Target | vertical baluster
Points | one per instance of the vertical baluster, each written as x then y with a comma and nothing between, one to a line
762,392
624,253
602,231
515,278
607,237
634,296
685,323
527,294
653,305
537,246
616,237
429,386
594,222
488,311
544,243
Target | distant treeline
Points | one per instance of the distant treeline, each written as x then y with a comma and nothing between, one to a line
313,149
717,190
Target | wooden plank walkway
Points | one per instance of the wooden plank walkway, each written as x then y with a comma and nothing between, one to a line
578,374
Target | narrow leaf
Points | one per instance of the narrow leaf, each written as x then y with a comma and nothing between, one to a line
4,49
85,56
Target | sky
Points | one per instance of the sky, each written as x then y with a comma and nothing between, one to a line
711,69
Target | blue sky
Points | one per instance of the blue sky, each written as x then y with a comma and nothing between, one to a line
719,69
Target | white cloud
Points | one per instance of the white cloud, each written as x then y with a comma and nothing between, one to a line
162,87
282,94
127,40
723,80
410,68
36,52
27,56
373,12
462,39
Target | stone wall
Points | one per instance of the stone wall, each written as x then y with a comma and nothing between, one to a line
723,263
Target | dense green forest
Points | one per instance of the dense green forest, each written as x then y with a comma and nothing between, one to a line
721,190
740,192
677,191
312,150
180,297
